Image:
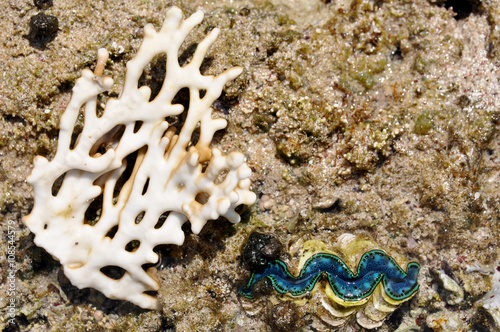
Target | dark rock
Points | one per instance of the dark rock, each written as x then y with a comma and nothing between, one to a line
43,30
261,249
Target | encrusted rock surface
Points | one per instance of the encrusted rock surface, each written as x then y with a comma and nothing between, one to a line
388,110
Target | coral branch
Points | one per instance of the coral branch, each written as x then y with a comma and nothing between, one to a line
130,182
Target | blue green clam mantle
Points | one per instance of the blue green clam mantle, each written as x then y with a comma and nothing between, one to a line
375,266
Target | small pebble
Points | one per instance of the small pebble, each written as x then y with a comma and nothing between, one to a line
43,4
266,202
326,204
456,292
284,316
98,315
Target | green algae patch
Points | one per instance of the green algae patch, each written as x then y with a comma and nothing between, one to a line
423,124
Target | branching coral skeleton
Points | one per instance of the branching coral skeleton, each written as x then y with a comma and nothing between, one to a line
166,177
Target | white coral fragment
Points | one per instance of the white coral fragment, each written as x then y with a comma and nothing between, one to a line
491,300
143,176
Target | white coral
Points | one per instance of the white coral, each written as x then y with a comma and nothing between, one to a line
167,176
491,300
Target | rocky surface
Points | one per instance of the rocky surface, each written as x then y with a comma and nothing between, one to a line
367,117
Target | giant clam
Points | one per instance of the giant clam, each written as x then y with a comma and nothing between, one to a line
355,276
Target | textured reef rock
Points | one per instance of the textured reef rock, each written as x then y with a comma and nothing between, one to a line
370,116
